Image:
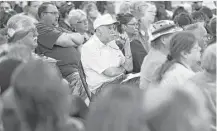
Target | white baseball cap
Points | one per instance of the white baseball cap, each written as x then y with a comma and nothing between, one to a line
106,19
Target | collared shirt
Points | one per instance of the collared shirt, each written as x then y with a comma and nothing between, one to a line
96,57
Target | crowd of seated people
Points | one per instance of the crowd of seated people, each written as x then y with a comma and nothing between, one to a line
90,66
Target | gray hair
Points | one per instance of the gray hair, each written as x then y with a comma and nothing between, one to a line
19,22
136,5
209,58
76,15
125,7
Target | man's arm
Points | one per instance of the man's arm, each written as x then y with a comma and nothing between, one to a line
70,39
114,71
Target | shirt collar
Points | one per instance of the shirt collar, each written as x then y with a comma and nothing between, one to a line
97,41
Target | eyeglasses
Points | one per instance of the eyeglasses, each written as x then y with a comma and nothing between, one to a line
53,13
135,24
82,22
4,8
112,27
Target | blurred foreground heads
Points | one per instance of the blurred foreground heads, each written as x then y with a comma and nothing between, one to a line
42,101
124,108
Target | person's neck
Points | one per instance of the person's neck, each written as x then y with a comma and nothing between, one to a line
185,63
131,36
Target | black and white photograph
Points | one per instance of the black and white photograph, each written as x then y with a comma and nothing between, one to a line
124,65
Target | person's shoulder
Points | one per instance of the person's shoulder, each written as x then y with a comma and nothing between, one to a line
179,68
90,44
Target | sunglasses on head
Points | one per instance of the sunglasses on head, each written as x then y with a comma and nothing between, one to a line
23,33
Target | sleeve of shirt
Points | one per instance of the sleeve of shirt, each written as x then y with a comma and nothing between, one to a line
95,60
49,38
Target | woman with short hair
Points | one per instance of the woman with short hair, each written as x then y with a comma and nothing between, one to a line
78,20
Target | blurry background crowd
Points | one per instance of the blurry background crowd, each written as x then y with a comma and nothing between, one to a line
108,65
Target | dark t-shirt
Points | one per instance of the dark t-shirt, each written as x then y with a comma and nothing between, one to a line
138,54
7,67
68,57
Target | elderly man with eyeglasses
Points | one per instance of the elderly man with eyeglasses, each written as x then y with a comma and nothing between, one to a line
102,59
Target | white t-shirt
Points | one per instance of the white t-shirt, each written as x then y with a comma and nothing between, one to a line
96,57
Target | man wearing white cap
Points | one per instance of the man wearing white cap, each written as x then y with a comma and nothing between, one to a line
162,30
101,58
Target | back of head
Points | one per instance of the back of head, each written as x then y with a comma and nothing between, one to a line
207,11
209,59
183,19
178,10
39,94
177,109
19,22
101,6
199,16
117,109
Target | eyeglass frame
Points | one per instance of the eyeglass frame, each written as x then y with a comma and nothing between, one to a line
53,13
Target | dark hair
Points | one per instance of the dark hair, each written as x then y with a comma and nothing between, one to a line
123,20
183,19
181,41
78,4
178,10
207,11
212,26
101,6
120,108
29,3
65,9
198,15
43,8
39,102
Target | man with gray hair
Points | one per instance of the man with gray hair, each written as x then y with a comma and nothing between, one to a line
102,59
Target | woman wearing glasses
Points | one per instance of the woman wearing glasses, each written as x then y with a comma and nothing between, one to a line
128,27
78,21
